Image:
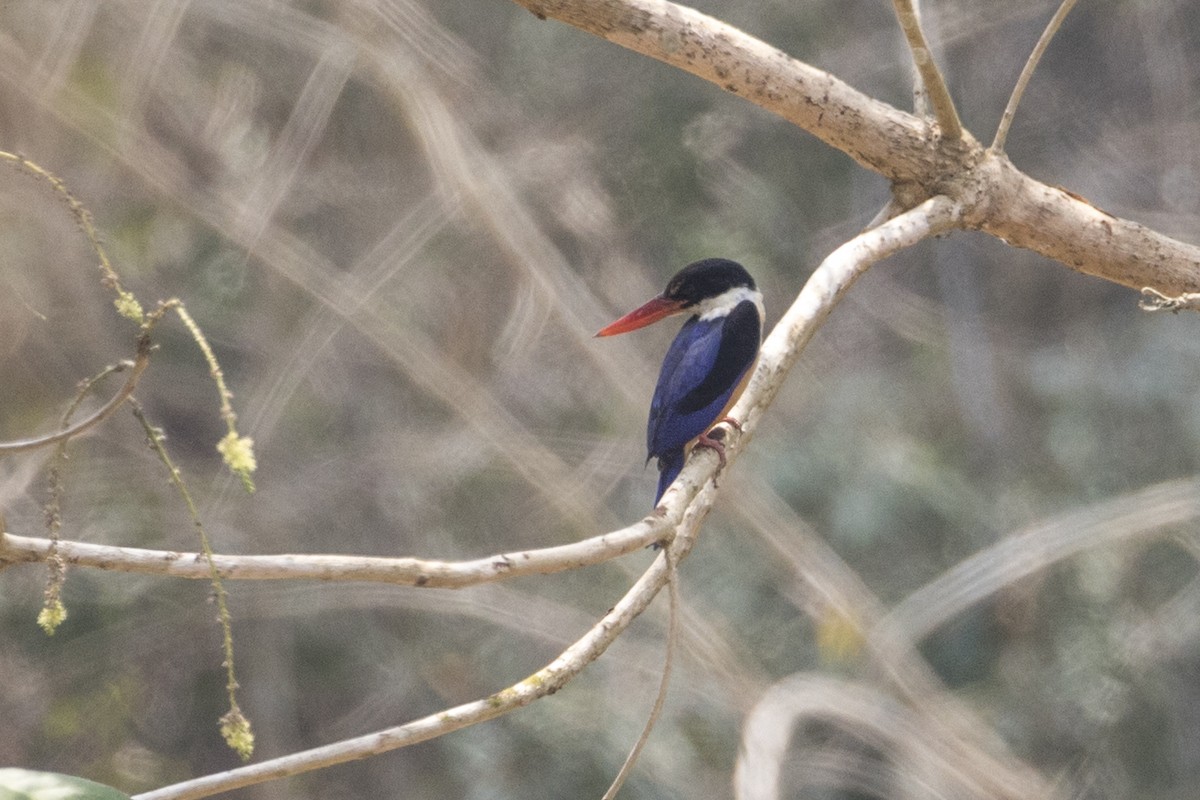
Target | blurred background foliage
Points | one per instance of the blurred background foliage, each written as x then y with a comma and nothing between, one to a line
400,223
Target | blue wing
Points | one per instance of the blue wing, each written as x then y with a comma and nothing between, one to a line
685,367
703,367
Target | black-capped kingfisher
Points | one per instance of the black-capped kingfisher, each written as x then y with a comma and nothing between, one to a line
708,364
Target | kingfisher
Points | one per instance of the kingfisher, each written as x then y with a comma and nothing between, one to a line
707,366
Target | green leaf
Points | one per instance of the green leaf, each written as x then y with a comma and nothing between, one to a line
25,784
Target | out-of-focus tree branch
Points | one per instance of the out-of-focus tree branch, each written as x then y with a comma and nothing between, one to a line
1135,515
933,767
996,197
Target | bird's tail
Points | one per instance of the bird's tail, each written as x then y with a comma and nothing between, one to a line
669,467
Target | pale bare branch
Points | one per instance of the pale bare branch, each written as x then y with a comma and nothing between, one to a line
1066,227
664,683
418,572
135,369
995,196
824,288
877,135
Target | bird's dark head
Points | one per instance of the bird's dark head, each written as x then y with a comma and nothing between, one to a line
705,280
711,285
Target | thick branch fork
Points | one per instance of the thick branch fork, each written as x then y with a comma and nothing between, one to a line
911,152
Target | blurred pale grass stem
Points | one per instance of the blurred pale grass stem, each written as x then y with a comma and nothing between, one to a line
661,699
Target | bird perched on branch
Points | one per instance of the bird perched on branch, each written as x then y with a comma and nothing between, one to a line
708,364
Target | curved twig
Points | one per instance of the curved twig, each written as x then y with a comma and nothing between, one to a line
661,699
135,367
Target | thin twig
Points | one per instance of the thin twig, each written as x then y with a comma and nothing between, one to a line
135,367
1018,92
931,76
234,725
663,685
127,305
53,612
236,450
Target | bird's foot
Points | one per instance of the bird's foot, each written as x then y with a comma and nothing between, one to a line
713,443
716,434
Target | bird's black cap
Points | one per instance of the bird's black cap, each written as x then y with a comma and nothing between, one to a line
705,279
